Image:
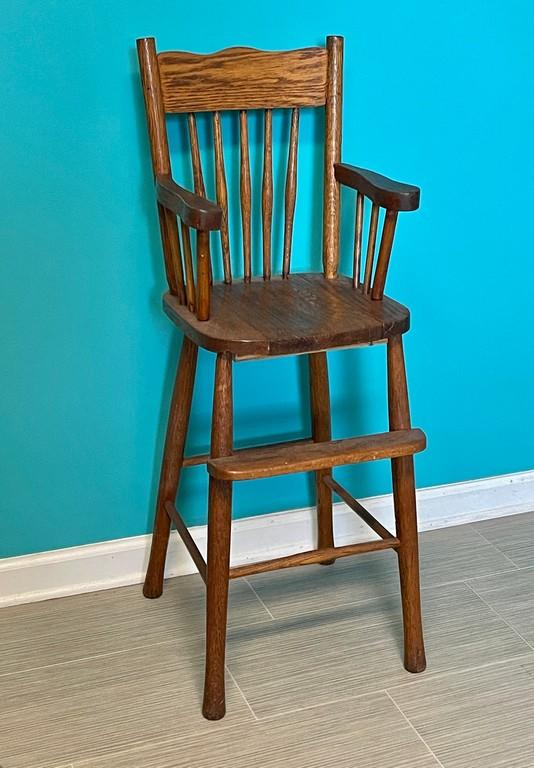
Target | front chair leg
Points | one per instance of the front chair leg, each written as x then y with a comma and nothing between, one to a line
405,513
219,532
171,465
321,431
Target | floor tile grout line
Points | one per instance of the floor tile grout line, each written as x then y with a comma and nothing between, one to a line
259,599
414,729
241,692
510,626
413,682
123,650
495,547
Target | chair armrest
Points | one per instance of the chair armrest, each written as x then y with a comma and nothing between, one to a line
385,192
193,210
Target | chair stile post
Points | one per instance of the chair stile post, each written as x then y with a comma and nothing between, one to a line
321,431
171,466
405,511
219,532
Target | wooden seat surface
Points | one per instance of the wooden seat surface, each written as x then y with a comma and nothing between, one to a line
303,313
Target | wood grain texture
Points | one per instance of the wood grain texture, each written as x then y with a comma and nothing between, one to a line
332,155
219,531
193,210
198,177
321,431
291,191
268,462
171,465
393,195
222,195
259,318
267,194
322,556
371,245
242,78
405,511
384,253
246,194
358,235
189,274
203,276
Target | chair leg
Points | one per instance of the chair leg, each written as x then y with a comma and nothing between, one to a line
171,465
405,513
321,430
219,532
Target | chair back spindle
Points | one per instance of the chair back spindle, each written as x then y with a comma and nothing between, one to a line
267,193
246,196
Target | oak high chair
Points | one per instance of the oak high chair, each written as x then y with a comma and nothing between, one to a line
269,315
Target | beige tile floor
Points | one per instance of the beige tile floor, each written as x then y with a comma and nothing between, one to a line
315,677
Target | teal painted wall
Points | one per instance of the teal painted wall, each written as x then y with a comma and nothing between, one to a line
439,94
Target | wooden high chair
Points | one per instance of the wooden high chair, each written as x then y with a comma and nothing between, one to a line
259,317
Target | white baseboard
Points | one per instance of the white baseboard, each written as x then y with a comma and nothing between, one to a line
116,563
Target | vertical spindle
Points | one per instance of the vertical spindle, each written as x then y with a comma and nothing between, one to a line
189,275
198,179
222,195
245,194
386,243
267,194
291,191
358,234
371,242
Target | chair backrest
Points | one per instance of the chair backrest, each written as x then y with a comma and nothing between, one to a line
242,79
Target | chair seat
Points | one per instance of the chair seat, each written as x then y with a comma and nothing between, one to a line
304,313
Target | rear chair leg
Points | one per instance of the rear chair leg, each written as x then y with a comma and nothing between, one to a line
219,531
171,465
405,513
321,431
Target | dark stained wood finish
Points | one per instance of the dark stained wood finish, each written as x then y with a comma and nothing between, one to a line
322,432
267,194
274,315
360,510
371,244
387,193
281,317
332,155
189,274
203,458
203,276
171,465
358,235
291,191
219,527
243,78
323,556
405,512
195,211
384,253
222,195
246,194
266,462
188,540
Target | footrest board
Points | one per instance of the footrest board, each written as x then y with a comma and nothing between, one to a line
269,461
